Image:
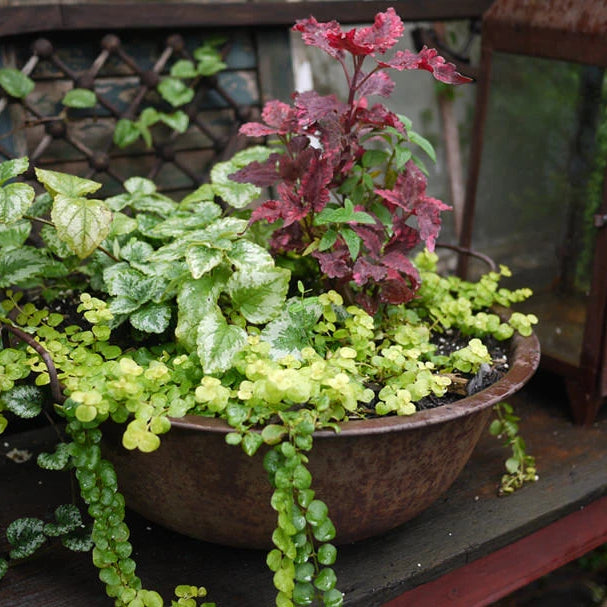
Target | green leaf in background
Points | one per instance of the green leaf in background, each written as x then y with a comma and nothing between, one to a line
209,63
68,185
259,296
353,241
3,568
15,82
126,133
218,342
80,98
175,91
81,223
184,69
178,121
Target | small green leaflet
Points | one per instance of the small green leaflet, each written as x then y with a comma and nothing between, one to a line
353,241
423,143
260,295
184,69
175,91
80,98
218,343
15,82
328,240
126,133
345,214
81,223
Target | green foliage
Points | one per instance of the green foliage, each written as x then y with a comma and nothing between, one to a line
520,466
15,82
80,98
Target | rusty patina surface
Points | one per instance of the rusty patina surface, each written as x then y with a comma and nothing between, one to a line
374,475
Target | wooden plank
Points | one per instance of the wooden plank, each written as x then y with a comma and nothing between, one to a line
120,15
493,577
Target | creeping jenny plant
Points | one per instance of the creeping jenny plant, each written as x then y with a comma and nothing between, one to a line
330,320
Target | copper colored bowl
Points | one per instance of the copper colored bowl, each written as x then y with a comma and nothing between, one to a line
374,475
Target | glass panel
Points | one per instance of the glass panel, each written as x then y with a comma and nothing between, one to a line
540,185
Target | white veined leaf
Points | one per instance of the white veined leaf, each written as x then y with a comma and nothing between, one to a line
218,342
16,234
23,401
81,223
260,295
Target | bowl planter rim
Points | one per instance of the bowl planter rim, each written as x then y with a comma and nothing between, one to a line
524,357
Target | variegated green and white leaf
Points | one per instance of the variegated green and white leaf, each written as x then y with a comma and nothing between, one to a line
10,169
68,185
237,195
196,299
218,342
15,200
177,224
201,259
247,255
152,318
16,234
259,296
81,223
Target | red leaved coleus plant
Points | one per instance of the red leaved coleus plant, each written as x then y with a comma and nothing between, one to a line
346,181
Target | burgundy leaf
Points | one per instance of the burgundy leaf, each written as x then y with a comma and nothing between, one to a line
428,211
269,210
364,270
384,33
409,187
372,237
427,59
395,289
311,107
288,239
279,115
404,238
379,116
335,264
378,83
261,174
368,303
291,209
316,34
396,260
314,184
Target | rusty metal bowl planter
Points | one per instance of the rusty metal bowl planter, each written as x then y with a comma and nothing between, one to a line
373,475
